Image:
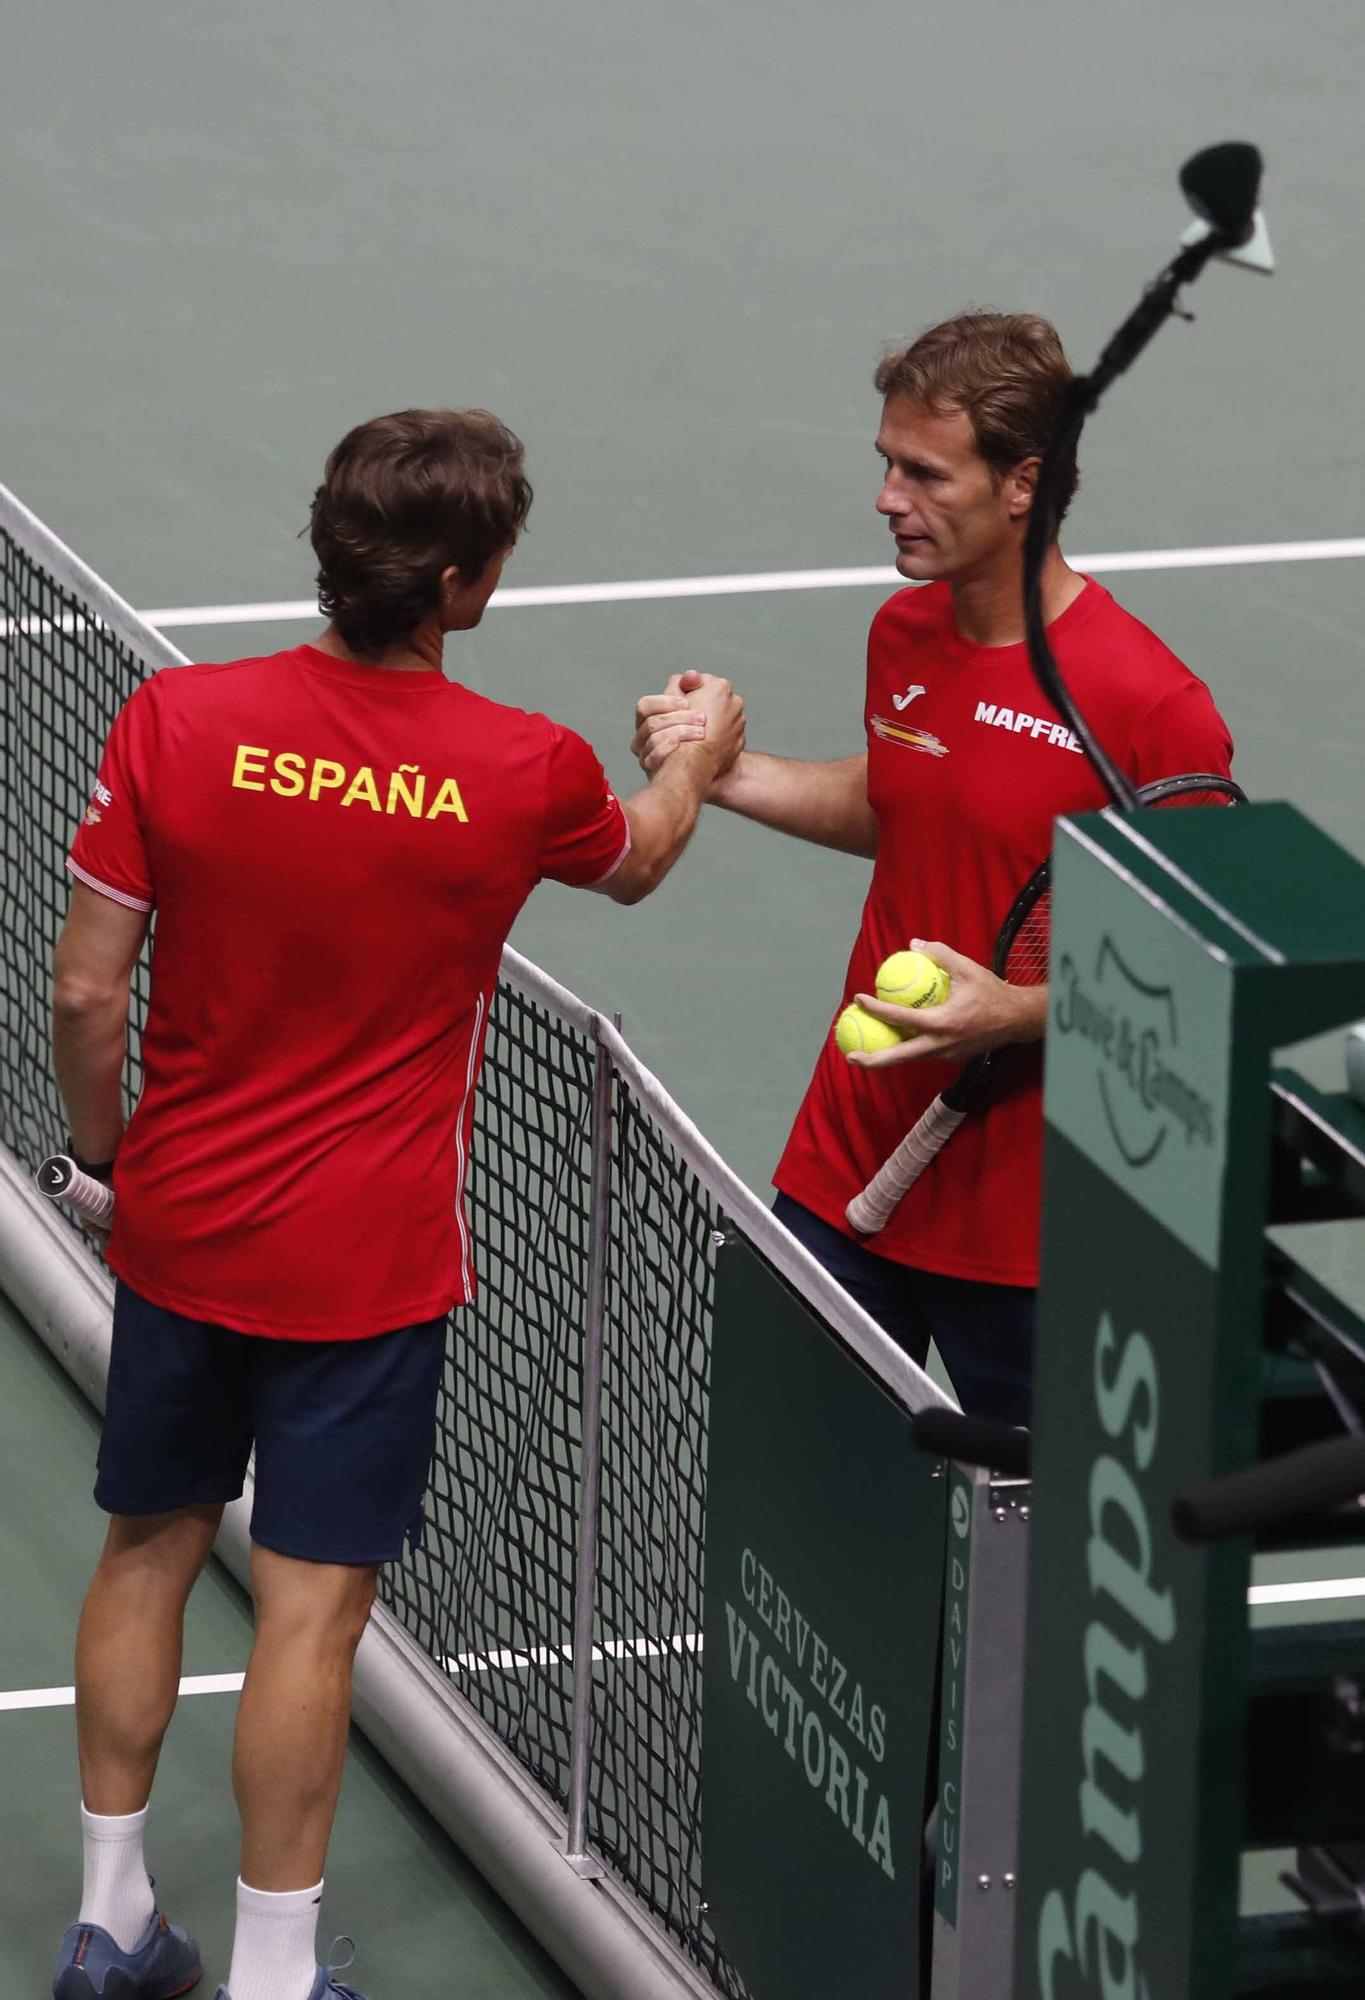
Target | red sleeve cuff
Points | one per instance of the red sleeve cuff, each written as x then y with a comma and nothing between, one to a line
123,896
607,873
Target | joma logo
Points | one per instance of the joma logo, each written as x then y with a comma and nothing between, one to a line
1134,1029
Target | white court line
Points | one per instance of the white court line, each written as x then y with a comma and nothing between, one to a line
1233,555
1334,1588
475,1663
562,1656
1307,1593
648,1648
66,1697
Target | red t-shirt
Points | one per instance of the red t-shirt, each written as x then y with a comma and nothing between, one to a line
967,767
335,855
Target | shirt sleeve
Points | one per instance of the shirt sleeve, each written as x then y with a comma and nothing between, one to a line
586,835
1183,732
109,852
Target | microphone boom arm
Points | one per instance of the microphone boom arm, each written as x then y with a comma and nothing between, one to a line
1150,314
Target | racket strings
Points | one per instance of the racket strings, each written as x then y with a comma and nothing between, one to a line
1194,792
1026,959
1026,956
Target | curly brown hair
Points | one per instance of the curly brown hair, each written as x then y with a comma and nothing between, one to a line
403,498
1007,371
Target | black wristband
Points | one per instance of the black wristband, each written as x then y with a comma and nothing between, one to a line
98,1170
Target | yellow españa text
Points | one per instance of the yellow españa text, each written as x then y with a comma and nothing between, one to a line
294,776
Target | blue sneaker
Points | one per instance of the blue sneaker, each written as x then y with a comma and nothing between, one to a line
326,1986
164,1962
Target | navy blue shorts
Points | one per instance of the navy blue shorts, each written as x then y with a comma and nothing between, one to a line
344,1429
983,1332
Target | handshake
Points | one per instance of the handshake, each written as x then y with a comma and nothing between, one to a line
693,710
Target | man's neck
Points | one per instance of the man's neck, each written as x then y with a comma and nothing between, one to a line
422,652
989,609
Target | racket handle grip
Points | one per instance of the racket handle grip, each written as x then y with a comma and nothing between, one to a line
871,1210
60,1179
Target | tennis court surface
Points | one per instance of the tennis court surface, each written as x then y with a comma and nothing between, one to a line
666,250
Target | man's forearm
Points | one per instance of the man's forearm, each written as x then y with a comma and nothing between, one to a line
89,1045
662,816
822,802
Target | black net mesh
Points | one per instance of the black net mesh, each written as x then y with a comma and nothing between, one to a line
656,1384
65,677
489,1595
490,1592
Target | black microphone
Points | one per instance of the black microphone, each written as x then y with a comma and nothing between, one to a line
973,1441
1302,1483
1223,185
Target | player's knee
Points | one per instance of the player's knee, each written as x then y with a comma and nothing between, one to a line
325,1603
348,1611
358,1604
159,1551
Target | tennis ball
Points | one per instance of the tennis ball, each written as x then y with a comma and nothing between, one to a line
857,1029
912,979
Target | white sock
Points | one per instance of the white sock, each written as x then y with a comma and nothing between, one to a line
116,1894
274,1948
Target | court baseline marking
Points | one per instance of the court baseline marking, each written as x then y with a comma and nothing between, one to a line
65,1697
1231,555
474,1663
1326,1591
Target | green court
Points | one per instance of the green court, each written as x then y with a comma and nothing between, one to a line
665,244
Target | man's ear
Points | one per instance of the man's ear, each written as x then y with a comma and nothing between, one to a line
1023,486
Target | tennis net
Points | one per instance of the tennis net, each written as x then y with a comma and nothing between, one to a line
491,1595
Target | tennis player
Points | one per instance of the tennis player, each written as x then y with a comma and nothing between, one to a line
335,841
965,769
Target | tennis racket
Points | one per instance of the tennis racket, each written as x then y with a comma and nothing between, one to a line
60,1179
1020,957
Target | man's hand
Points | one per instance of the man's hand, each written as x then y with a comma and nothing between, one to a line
663,813
722,718
681,714
981,1013
825,801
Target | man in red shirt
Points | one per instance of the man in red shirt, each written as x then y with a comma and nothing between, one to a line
335,841
966,768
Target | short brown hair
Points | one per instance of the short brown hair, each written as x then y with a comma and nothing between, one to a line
403,498
1006,371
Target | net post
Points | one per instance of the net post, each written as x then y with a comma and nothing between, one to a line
590,1476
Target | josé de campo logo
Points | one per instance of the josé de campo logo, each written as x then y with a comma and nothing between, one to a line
1133,1025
